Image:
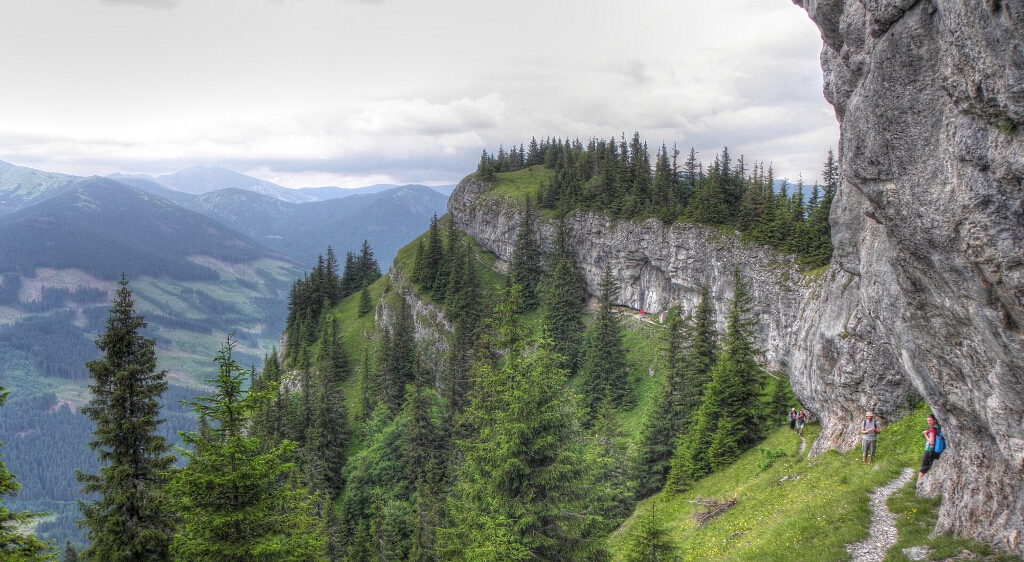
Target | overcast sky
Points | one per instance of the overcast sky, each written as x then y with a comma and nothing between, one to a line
349,93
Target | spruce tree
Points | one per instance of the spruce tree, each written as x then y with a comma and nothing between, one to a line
605,373
564,303
649,539
698,361
129,520
781,399
70,552
237,501
398,358
454,379
521,489
432,257
16,545
365,303
525,268
328,432
662,424
731,415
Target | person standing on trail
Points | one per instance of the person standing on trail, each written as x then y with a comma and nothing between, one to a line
869,431
792,419
801,419
931,436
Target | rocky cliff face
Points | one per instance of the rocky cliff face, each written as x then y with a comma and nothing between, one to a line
656,267
928,227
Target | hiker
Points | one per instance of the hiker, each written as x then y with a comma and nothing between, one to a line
792,419
801,419
933,439
869,431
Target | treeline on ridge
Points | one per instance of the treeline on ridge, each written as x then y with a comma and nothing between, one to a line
619,178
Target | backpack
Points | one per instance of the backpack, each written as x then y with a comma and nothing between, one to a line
940,443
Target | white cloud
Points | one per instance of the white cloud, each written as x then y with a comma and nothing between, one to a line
329,90
158,4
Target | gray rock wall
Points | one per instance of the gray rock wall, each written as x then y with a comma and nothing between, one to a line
656,267
928,231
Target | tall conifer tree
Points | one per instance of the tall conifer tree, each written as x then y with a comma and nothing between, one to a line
731,414
525,269
130,520
566,298
521,490
605,373
238,502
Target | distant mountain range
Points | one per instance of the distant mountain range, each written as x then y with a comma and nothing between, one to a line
198,180
106,228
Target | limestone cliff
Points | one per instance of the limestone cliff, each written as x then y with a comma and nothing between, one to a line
656,267
928,229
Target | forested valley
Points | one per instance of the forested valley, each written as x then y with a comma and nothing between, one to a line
454,410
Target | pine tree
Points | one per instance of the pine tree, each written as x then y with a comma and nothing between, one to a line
698,361
16,545
130,520
566,298
365,303
449,259
610,470
331,278
605,373
399,357
70,552
782,398
367,268
731,415
649,540
237,502
525,268
432,257
707,204
521,489
328,432
662,424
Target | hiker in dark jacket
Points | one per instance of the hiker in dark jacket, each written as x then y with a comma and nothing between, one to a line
792,419
869,430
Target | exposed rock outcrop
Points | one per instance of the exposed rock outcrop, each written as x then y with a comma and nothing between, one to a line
928,229
656,267
430,325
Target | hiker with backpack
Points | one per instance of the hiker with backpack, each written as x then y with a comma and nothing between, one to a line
792,419
869,430
934,445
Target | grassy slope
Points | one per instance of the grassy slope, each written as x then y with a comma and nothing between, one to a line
519,185
815,515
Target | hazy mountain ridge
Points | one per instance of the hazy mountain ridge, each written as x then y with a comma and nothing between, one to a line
21,187
106,228
387,219
199,180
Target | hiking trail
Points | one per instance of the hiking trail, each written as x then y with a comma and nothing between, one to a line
882,533
803,446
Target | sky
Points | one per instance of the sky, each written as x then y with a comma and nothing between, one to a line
355,92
